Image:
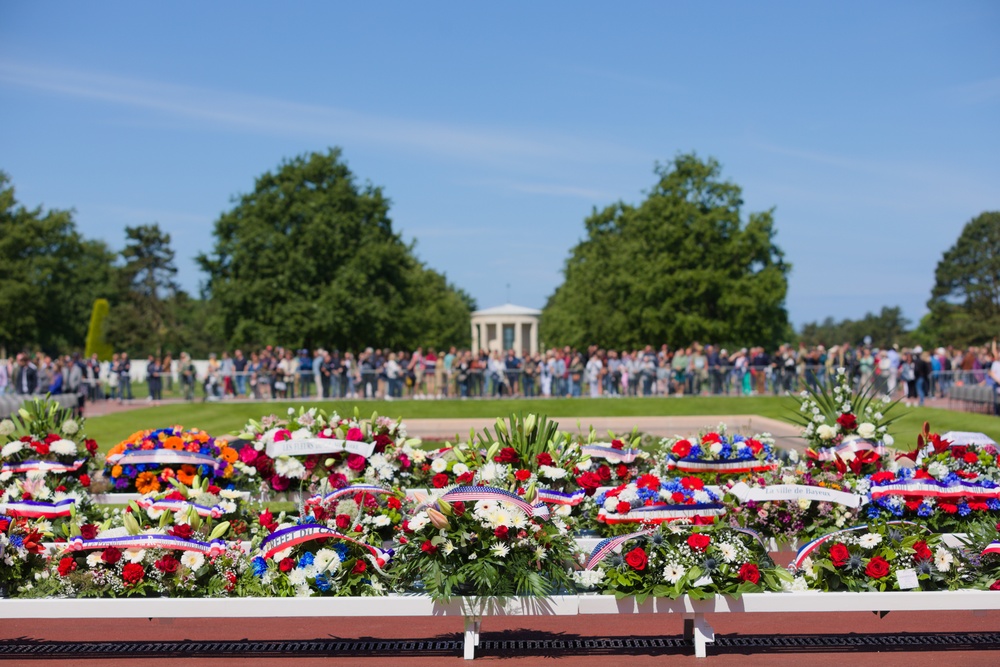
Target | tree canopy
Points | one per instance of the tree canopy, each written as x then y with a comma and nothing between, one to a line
310,258
680,266
885,328
965,301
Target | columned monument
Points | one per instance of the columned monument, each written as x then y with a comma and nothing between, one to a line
506,327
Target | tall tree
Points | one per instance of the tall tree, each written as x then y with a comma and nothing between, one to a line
310,258
681,266
965,301
50,279
885,328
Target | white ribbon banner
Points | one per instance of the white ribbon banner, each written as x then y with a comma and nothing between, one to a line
305,446
795,492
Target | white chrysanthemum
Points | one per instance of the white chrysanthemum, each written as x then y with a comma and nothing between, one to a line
728,551
489,472
5,476
193,560
797,585
94,558
629,494
943,559
610,504
588,578
870,540
585,464
563,510
459,469
297,577
673,573
701,496
866,430
11,448
70,427
418,521
518,519
227,506
937,470
134,554
6,427
439,465
289,467
121,531
862,486
500,550
552,472
715,448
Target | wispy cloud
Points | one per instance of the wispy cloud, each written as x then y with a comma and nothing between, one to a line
269,116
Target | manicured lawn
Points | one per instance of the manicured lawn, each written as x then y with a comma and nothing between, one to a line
229,417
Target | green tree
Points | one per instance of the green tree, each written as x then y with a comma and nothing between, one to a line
50,279
97,336
965,301
681,266
310,258
885,328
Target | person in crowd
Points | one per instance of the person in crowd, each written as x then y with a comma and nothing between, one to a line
239,373
56,379
593,372
154,379
26,381
124,378
167,368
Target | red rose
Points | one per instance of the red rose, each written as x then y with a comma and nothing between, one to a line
175,495
182,530
522,475
266,520
637,559
459,508
88,531
681,448
286,564
971,457
959,451
749,572
41,447
167,564
440,480
343,521
212,488
428,548
711,438
922,551
617,444
50,438
877,568
359,567
501,532
466,477
622,471
132,574
356,462
623,507
91,446
4,525
677,497
111,555
393,503
544,459
85,480
699,541
839,554
604,472
589,482
507,455
995,586
381,442
847,421
66,565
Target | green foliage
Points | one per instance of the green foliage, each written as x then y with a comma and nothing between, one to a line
51,276
680,266
310,258
97,337
885,328
965,300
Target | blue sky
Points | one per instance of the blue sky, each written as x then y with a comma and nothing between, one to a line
495,129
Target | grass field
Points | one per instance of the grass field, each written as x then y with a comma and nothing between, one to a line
229,417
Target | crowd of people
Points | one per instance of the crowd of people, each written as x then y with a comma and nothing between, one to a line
279,373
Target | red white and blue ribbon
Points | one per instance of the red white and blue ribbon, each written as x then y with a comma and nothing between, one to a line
807,549
852,446
477,493
161,456
149,541
661,513
934,489
47,466
605,547
610,453
349,491
725,467
554,497
179,506
34,509
993,548
287,538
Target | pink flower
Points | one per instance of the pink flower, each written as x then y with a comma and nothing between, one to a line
355,435
279,483
248,454
282,434
356,462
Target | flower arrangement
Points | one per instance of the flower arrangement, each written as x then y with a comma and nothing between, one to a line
147,460
321,452
847,431
980,550
945,504
22,553
650,500
366,513
195,510
940,459
674,560
714,454
440,467
306,558
47,462
484,541
879,556
612,463
794,504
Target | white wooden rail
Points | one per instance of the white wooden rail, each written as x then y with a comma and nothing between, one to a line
696,627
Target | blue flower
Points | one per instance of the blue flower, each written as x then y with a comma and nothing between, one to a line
873,512
259,566
964,510
904,473
341,550
993,504
951,478
323,582
307,559
17,541
925,510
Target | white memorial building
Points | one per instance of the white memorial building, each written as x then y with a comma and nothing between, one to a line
506,327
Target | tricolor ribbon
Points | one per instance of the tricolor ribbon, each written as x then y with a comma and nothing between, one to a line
993,548
179,506
661,513
605,547
561,498
807,549
852,446
477,493
934,489
349,491
287,538
169,456
34,509
610,453
148,541
47,466
726,467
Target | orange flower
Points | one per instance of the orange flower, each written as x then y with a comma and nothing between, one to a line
201,436
228,472
186,475
147,482
228,454
116,471
174,443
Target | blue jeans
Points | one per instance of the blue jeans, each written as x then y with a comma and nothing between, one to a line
921,389
241,384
